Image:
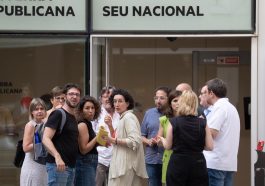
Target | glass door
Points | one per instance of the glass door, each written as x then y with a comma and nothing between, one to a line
141,64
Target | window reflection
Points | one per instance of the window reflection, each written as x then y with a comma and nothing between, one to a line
31,67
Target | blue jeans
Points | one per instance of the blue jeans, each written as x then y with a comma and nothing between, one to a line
220,178
154,172
57,178
86,167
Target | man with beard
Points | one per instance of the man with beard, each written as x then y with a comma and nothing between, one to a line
149,130
62,145
108,119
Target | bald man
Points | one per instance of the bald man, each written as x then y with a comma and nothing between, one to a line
183,86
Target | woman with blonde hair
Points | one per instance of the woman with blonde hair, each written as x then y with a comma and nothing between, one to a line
33,173
188,135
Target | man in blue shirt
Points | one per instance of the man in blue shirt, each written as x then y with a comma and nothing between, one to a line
149,129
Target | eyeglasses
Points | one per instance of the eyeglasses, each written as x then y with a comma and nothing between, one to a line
118,101
162,98
73,94
203,93
58,98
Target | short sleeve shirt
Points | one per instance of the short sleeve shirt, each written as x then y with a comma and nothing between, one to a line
225,119
66,142
149,129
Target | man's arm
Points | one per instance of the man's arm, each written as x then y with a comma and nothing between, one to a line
214,133
208,139
146,141
47,141
149,142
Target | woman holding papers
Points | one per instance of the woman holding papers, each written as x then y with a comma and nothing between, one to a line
86,164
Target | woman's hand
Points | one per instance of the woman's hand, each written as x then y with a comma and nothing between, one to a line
108,121
152,141
160,141
102,137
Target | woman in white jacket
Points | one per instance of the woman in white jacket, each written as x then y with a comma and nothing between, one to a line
127,166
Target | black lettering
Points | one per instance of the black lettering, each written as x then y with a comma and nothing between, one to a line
156,9
49,11
26,13
1,9
59,10
6,84
137,10
70,11
170,11
198,12
106,11
180,10
125,13
11,12
10,91
19,11
38,11
114,11
190,11
147,11
33,11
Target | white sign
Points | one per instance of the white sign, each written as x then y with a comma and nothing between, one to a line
172,15
43,15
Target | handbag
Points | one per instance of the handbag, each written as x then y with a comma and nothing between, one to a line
20,154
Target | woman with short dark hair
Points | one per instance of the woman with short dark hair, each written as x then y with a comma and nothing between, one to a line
127,166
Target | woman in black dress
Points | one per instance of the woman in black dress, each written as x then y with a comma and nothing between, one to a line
188,135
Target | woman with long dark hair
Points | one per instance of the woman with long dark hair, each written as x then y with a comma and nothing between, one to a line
86,164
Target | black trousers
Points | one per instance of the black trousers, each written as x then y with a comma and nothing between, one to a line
187,170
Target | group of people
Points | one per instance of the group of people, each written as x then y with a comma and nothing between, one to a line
190,142
74,155
181,141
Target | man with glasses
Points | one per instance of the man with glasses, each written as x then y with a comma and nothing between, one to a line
149,130
203,101
224,124
62,145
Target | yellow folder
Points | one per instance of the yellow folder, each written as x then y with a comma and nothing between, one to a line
101,134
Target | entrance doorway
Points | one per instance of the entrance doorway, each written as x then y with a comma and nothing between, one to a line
144,63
